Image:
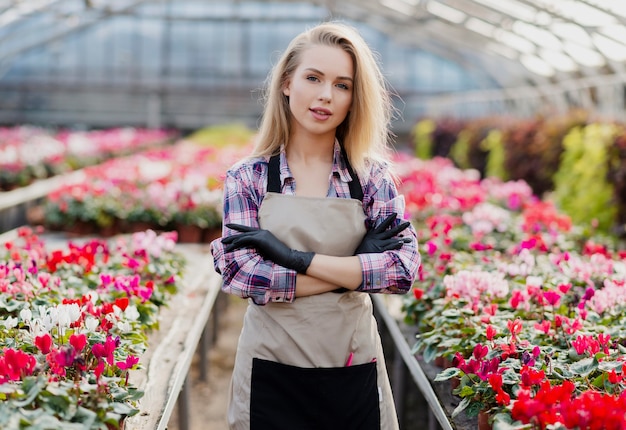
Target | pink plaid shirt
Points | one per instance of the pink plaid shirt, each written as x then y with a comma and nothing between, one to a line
246,274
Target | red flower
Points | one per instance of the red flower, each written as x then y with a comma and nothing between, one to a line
43,343
78,341
15,364
122,303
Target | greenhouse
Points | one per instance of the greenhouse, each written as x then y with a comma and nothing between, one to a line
206,225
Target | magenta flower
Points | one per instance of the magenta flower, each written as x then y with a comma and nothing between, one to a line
552,297
131,360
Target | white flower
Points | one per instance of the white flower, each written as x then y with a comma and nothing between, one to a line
131,313
91,324
26,315
124,326
10,322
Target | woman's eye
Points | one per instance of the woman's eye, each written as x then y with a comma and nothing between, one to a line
312,78
343,86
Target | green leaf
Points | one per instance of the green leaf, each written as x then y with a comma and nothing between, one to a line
585,366
85,416
32,387
461,407
451,313
430,352
446,374
466,391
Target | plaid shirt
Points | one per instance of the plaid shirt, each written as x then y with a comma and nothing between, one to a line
246,274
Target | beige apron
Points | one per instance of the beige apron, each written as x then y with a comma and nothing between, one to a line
319,331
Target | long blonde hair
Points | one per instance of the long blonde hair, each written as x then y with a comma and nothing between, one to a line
365,131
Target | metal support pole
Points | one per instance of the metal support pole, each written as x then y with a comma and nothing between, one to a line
204,345
183,406
398,385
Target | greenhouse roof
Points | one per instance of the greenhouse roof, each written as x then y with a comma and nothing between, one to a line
517,41
548,38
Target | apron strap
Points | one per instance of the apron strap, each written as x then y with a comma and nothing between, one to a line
273,176
356,192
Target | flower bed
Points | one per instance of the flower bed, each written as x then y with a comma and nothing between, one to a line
75,323
30,153
166,189
527,308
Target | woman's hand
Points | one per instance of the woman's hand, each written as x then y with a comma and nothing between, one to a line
380,239
268,246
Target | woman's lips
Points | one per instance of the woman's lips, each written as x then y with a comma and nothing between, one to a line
320,113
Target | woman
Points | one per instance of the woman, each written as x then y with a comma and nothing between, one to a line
311,227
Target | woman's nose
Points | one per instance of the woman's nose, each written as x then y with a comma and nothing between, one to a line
326,93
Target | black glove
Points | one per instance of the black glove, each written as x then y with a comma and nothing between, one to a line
380,239
268,246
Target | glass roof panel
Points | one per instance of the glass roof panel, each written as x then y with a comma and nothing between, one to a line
610,48
481,27
617,32
558,60
573,32
584,56
446,12
514,41
537,65
614,6
402,6
502,50
512,8
538,35
577,11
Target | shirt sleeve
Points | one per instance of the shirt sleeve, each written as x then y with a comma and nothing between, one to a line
244,272
391,272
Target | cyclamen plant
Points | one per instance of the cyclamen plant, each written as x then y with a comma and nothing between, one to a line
74,324
527,307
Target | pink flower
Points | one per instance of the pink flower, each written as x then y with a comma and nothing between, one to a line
515,327
552,297
105,350
543,326
480,351
129,363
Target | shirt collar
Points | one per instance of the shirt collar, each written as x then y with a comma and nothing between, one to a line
339,165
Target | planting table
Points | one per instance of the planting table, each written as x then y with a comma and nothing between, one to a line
187,324
15,204
437,395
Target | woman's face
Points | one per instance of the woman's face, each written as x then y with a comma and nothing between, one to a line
320,91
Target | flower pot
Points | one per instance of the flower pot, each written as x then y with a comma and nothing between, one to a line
121,426
110,230
210,234
455,382
138,226
189,233
483,421
78,228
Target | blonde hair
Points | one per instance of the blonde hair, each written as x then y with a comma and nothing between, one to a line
365,131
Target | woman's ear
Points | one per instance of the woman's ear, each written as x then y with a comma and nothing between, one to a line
286,89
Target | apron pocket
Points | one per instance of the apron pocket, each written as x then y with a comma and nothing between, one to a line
285,397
